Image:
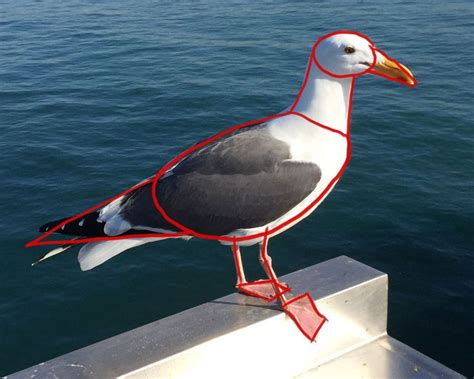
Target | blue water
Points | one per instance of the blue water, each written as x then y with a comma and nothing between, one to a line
95,96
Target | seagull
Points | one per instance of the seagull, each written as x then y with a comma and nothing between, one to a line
248,183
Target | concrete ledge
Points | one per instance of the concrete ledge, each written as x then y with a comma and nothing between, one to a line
239,336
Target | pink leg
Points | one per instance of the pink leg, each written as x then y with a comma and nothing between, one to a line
263,289
301,309
239,268
266,262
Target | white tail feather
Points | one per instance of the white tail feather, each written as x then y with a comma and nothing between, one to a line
94,254
52,253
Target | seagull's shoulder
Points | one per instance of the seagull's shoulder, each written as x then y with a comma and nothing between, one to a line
244,151
309,142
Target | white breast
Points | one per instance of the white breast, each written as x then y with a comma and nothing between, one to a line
311,143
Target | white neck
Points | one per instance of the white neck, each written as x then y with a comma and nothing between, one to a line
326,99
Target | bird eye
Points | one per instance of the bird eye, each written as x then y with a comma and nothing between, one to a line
349,50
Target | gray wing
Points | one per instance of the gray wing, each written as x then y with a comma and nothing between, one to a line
242,180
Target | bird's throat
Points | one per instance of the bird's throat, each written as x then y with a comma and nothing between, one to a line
325,99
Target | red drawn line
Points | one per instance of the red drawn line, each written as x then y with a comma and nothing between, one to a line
319,124
303,86
236,260
263,254
108,238
36,241
276,228
279,288
187,231
315,61
315,309
400,66
242,288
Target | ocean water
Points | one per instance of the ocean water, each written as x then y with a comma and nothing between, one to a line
97,95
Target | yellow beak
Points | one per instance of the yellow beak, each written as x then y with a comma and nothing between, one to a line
391,69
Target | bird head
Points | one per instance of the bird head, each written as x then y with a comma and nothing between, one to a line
345,54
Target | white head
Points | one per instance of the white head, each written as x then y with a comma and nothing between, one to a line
350,54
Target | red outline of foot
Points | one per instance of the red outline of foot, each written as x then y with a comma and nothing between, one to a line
297,322
283,289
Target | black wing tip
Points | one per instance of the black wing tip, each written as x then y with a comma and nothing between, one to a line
85,226
49,225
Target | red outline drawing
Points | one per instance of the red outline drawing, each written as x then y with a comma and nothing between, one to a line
314,309
285,304
246,287
309,307
185,231
40,240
